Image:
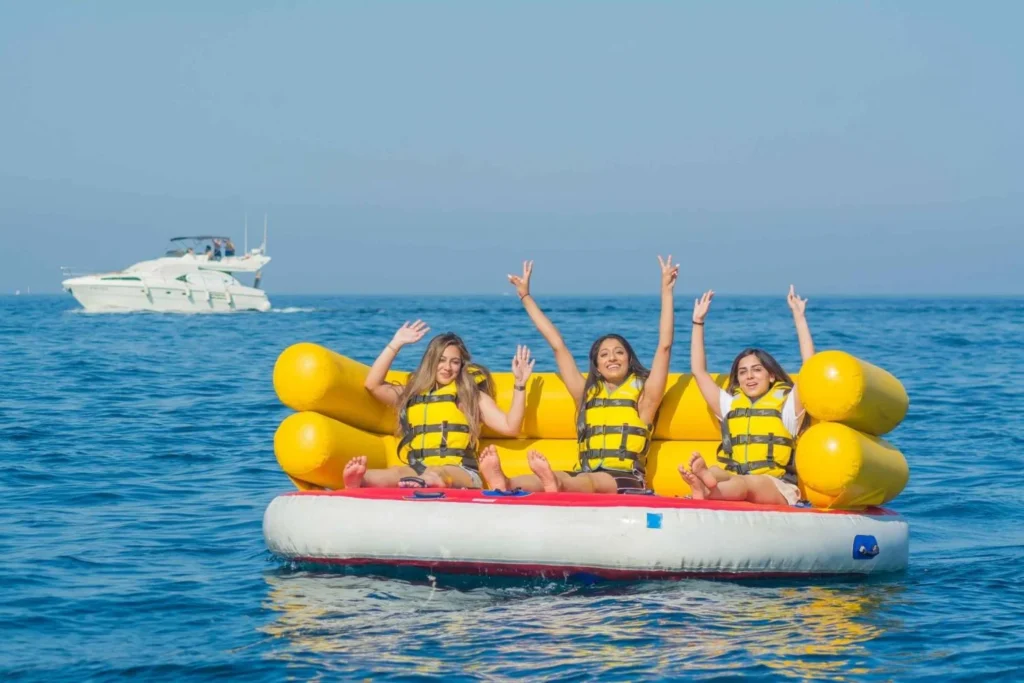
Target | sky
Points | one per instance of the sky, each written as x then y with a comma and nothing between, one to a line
409,147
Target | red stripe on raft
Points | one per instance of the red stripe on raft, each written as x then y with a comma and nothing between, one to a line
581,500
551,571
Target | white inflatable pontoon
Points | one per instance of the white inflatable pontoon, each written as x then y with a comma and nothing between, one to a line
565,535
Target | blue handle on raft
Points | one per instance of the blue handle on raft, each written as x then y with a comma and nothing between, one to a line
865,547
426,495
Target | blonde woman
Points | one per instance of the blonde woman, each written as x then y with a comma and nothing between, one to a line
440,412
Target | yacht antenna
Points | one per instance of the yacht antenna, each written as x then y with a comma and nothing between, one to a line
263,249
246,234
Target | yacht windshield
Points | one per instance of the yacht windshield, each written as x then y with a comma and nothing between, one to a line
211,247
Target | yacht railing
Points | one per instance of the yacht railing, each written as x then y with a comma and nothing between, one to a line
73,271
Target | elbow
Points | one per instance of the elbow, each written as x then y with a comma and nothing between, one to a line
664,347
511,430
369,385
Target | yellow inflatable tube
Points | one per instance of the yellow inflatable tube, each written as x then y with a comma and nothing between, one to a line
313,450
310,377
837,387
838,465
834,386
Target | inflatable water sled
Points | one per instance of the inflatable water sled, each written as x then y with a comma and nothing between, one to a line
565,535
845,471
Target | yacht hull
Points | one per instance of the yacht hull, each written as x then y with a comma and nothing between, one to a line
111,298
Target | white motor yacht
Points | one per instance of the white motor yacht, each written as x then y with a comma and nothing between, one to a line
194,276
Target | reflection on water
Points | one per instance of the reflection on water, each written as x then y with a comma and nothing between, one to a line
451,626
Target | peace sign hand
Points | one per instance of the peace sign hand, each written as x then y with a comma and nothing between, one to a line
669,273
522,282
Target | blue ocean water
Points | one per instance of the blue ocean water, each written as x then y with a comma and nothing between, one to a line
136,461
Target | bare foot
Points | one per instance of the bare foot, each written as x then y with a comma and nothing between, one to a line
542,468
700,468
355,469
490,467
700,491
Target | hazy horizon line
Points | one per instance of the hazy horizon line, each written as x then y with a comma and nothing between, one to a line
579,295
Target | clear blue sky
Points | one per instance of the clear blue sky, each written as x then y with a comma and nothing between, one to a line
851,147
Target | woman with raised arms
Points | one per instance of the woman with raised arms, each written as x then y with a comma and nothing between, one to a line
440,412
616,404
761,415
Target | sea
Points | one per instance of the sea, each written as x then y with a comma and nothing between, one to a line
136,461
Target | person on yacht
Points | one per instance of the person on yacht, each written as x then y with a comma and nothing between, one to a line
229,248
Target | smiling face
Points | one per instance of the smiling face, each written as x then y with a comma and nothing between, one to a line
448,366
753,377
612,361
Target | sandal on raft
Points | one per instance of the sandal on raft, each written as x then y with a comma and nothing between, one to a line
412,483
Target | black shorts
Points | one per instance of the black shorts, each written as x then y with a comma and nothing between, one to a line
624,480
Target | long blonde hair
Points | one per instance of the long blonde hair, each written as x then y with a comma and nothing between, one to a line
423,379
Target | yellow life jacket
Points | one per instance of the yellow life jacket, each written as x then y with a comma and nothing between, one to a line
755,439
435,432
609,430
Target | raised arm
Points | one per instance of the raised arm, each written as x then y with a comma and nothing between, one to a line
654,387
375,383
509,424
803,334
698,361
567,368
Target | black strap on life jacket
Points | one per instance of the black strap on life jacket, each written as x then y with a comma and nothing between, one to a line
625,431
585,431
410,431
433,398
725,451
610,403
414,456
600,454
754,412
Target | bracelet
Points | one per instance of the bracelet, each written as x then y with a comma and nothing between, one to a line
523,297
697,323
389,346
519,387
